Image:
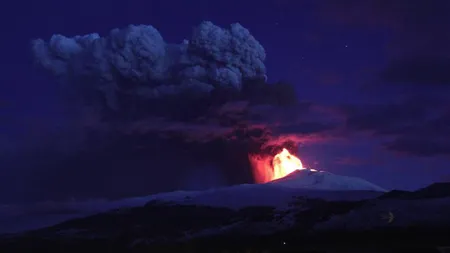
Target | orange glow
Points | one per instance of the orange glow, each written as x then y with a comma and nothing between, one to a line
268,169
284,164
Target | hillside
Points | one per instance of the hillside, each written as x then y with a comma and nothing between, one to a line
309,220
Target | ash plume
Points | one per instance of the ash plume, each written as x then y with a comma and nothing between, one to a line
164,112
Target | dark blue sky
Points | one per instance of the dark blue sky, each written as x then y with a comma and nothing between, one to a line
379,68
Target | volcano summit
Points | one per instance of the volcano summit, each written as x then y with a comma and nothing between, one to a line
322,180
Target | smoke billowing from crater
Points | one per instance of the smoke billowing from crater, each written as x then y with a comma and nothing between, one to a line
164,109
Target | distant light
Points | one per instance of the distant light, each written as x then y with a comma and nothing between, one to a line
346,45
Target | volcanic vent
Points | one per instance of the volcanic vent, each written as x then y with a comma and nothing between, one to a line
285,169
269,168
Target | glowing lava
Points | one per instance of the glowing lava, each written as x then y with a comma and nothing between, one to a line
284,164
268,168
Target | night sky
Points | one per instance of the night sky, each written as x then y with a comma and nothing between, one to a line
376,72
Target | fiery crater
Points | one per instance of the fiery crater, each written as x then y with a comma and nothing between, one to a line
266,169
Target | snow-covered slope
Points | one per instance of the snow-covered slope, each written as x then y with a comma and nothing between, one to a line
277,195
322,180
20,218
306,183
251,211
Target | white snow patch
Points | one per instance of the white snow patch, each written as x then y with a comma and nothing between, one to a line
322,180
18,218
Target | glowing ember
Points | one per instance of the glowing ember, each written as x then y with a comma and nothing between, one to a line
281,165
284,164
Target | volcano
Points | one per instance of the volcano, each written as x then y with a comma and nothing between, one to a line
286,177
322,180
287,170
309,221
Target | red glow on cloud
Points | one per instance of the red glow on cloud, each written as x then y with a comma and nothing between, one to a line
266,169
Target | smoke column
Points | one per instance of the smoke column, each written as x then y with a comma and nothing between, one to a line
158,113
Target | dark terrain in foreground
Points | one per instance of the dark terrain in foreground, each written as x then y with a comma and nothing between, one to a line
396,221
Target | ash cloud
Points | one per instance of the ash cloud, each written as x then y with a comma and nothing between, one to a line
164,112
135,63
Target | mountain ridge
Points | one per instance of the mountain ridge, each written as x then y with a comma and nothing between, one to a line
160,223
322,180
435,190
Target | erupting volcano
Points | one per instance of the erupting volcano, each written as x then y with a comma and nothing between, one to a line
285,169
284,163
266,169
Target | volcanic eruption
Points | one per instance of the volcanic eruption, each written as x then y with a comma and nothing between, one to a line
286,170
205,101
269,168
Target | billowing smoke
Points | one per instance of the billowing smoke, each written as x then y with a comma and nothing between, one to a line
135,65
167,115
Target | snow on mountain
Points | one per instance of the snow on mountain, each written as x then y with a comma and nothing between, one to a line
278,193
250,211
20,218
322,180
